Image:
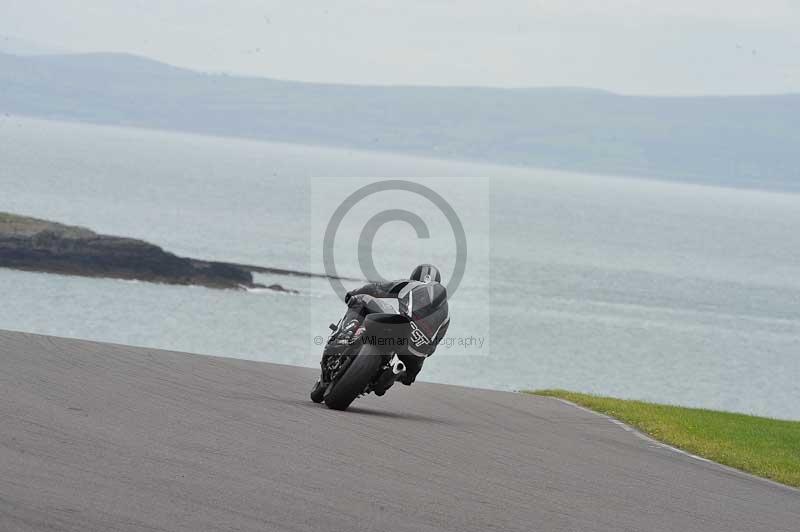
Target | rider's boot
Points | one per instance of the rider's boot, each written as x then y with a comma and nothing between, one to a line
384,382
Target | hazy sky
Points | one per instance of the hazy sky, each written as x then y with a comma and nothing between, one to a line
630,46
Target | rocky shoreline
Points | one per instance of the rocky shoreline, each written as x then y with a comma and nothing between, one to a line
38,245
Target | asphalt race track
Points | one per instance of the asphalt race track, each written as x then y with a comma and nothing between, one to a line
99,437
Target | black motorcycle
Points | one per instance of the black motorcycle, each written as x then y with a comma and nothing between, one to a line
373,361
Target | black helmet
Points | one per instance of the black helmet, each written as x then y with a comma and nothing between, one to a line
426,273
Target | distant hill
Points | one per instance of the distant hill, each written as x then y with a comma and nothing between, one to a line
742,140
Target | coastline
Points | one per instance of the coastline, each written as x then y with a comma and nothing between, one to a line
36,245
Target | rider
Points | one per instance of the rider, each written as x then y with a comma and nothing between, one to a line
422,298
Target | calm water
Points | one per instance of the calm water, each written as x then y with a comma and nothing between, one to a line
633,288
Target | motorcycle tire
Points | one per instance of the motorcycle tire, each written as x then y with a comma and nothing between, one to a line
318,392
355,379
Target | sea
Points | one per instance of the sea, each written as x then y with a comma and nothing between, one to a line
634,288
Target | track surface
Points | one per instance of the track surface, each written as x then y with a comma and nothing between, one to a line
99,437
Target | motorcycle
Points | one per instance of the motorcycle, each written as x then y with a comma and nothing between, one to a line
373,361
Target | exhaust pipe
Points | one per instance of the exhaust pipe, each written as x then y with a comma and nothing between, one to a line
397,365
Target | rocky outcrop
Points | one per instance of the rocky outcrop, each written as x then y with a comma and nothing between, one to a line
43,246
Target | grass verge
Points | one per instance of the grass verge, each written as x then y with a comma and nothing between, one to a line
762,446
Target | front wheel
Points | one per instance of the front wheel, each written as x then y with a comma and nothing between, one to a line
355,379
318,392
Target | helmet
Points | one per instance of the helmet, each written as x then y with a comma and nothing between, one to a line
426,273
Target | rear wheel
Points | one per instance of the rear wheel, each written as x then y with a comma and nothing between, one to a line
355,379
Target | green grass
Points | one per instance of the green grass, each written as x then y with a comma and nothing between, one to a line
762,446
